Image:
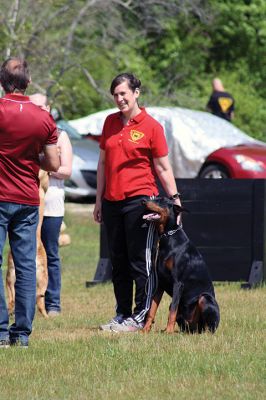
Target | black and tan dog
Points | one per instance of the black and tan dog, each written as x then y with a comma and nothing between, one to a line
41,260
182,273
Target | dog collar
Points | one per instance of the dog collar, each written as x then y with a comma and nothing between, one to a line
172,232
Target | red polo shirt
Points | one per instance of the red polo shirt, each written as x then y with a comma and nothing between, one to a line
24,131
129,151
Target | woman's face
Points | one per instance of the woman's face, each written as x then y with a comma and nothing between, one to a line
125,98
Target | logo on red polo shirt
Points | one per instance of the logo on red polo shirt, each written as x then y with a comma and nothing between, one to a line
135,136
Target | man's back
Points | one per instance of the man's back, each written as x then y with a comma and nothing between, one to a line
221,104
24,131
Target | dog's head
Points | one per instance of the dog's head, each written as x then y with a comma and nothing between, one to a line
163,212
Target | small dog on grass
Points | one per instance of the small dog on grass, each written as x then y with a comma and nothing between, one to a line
41,260
182,273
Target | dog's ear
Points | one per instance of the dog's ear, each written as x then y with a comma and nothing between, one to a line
179,209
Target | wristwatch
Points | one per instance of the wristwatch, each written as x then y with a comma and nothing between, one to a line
175,196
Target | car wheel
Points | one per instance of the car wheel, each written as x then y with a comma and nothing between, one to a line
214,171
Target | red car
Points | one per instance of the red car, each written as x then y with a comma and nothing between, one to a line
246,161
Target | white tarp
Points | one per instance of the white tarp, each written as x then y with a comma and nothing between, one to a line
191,135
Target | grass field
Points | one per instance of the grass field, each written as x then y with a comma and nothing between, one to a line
69,358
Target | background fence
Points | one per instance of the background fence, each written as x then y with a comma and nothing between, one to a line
227,224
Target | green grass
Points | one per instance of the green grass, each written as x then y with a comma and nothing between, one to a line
69,358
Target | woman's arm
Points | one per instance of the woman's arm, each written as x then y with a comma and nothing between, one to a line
49,160
97,213
65,153
165,174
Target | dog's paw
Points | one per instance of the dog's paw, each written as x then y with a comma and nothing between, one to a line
146,330
168,330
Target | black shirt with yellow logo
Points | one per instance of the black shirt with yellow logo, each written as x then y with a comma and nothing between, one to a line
221,104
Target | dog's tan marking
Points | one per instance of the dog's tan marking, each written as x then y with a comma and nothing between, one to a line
163,212
152,311
171,321
169,263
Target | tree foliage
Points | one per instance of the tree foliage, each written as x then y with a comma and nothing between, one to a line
176,47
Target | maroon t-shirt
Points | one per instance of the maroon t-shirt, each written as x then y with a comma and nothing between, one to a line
24,131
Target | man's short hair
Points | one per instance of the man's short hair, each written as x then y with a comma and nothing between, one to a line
14,75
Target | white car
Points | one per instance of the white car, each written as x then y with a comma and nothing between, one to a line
82,182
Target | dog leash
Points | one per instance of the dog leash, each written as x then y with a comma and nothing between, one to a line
155,262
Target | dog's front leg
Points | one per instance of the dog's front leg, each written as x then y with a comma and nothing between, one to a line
177,291
10,283
42,278
152,311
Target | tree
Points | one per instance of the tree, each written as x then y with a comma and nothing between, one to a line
176,47
56,35
77,45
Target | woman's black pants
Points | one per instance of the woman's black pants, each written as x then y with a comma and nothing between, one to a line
130,242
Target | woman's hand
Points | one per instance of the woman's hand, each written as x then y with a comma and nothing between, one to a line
178,202
97,212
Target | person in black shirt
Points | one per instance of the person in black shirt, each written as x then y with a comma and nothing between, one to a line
221,103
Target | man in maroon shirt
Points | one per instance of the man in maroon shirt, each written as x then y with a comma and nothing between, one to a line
25,131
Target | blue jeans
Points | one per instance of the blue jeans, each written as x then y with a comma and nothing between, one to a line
50,234
20,222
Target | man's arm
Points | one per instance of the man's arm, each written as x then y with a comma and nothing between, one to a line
49,160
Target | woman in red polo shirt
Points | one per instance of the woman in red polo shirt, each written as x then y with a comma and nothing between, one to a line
133,151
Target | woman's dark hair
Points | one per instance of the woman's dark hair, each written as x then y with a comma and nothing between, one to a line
14,74
133,82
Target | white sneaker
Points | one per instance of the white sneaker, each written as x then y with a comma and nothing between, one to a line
117,320
128,325
53,313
